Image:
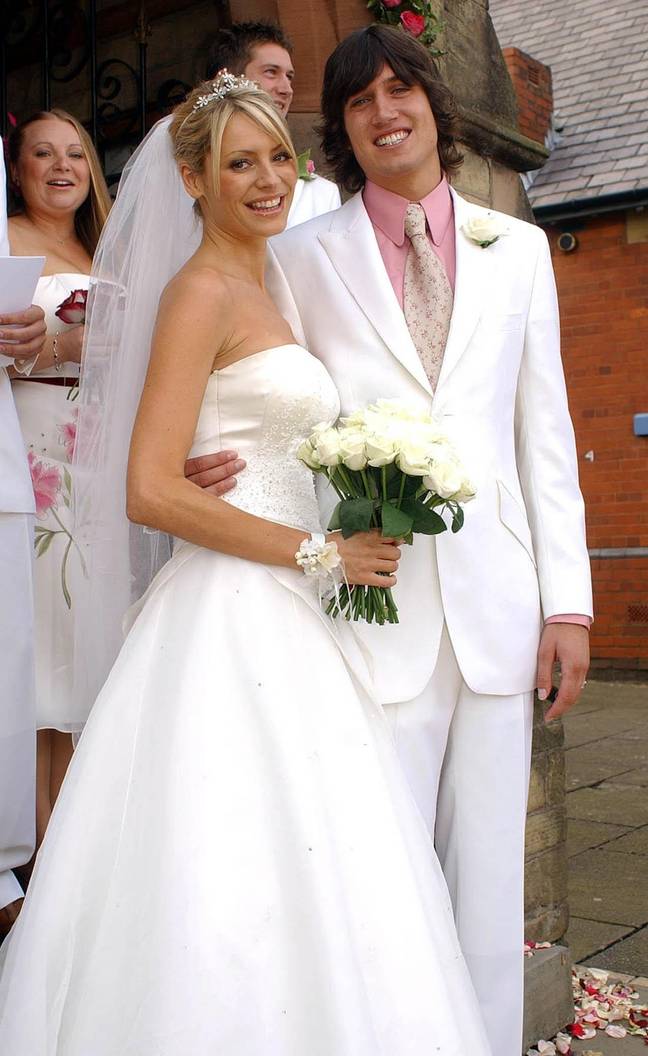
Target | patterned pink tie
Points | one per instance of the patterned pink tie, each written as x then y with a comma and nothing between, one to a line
427,295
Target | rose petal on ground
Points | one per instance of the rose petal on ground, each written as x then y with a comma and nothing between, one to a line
615,1030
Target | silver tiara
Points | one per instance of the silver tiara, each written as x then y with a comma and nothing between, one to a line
222,85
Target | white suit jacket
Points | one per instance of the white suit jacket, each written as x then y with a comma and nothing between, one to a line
521,555
16,493
312,198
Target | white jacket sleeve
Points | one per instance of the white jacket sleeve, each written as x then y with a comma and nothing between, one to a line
546,455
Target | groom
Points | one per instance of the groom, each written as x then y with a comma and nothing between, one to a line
410,291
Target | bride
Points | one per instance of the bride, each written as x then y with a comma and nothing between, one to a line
235,865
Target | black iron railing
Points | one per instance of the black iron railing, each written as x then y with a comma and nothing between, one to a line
60,37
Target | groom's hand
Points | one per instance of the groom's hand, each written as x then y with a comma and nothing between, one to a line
568,645
215,473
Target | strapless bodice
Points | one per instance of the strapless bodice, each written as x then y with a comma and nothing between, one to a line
51,291
263,406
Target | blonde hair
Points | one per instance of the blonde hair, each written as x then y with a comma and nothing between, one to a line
197,132
91,215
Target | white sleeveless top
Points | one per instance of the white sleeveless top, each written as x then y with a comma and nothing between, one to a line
51,291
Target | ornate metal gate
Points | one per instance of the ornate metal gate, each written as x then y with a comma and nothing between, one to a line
54,51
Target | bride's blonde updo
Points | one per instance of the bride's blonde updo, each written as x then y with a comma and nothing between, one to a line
199,122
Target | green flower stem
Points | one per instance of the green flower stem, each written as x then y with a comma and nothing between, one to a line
391,606
66,592
71,538
348,482
331,479
383,482
401,491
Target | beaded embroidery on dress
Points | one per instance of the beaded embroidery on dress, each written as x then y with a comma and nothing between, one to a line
241,865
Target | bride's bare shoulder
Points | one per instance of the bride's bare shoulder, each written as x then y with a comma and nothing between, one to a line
199,282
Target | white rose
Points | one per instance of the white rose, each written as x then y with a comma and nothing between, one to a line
306,453
413,459
381,449
352,448
358,418
484,229
443,479
326,446
466,492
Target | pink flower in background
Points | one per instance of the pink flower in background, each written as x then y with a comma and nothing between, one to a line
391,3
310,167
67,434
46,482
73,309
413,24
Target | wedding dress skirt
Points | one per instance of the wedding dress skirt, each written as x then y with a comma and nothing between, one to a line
235,865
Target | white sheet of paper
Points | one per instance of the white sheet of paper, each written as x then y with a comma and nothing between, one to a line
18,278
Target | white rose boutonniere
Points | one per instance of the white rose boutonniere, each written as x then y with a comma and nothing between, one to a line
484,230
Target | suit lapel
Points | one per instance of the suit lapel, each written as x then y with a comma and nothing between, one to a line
476,269
351,246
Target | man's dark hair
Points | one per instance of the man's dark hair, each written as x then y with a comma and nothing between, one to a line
352,66
233,47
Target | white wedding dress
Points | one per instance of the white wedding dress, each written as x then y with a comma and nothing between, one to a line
235,865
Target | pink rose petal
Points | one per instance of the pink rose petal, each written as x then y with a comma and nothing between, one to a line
615,1030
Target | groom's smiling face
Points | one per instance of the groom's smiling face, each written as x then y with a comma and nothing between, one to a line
393,133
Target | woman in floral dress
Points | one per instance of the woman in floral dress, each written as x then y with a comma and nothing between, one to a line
62,204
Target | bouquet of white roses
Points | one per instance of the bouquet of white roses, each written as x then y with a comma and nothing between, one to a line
393,469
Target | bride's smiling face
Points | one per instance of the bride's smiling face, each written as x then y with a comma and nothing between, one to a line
257,177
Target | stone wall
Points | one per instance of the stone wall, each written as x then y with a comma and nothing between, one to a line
547,914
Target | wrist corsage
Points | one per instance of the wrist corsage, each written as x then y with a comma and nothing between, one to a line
316,557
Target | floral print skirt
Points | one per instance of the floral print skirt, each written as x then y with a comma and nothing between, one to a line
48,420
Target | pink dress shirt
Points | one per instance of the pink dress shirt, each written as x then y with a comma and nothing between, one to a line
387,214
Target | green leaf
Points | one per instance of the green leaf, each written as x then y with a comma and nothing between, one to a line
67,480
355,515
457,519
43,544
395,523
424,520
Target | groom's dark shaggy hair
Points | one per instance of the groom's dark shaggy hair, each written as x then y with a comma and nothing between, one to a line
352,66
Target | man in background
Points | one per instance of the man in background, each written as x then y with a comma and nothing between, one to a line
261,52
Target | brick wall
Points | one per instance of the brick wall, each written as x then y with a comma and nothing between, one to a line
603,292
533,91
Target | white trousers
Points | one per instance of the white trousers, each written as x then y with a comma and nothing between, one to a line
467,758
17,701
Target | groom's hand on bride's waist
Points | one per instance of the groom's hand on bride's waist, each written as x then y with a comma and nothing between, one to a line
214,473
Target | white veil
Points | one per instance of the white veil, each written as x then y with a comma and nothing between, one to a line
151,231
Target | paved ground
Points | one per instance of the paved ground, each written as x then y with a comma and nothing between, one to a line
606,737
